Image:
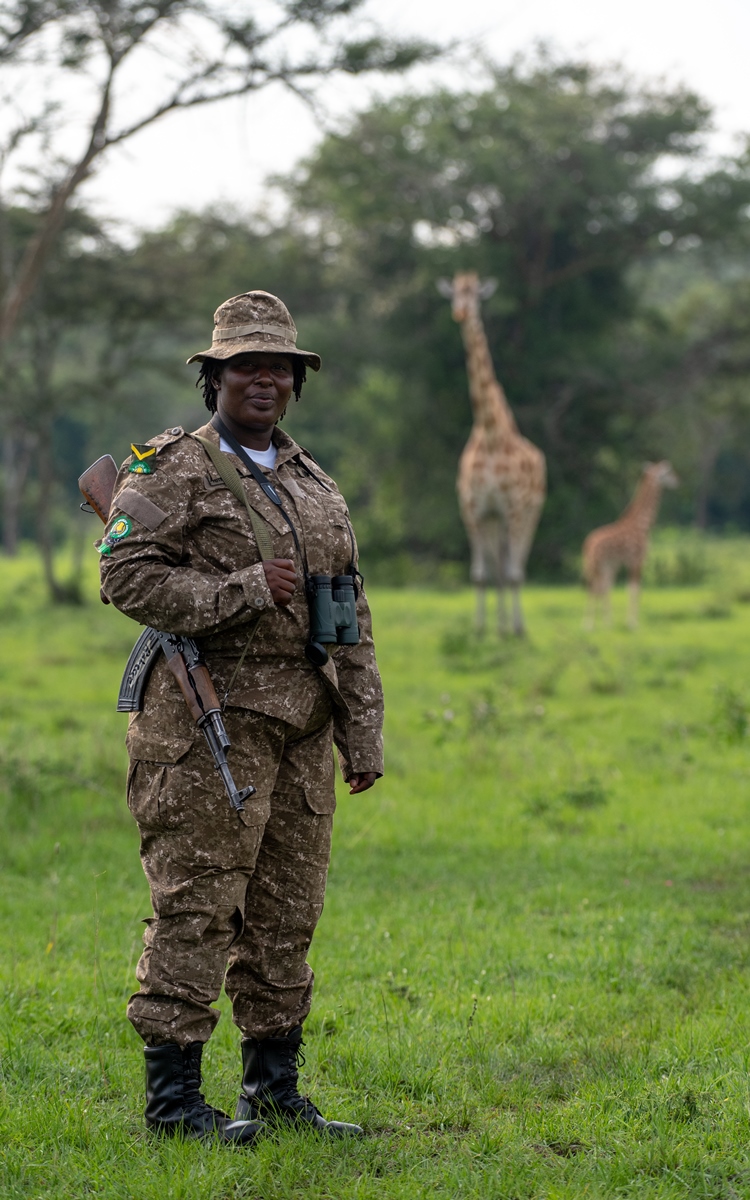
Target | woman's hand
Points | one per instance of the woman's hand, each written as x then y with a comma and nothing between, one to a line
360,781
281,578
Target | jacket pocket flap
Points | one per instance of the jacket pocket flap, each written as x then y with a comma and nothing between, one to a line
263,506
150,746
322,800
272,515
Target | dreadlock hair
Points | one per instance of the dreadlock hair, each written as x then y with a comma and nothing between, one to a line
210,374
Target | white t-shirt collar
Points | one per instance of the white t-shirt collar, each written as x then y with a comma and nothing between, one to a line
264,458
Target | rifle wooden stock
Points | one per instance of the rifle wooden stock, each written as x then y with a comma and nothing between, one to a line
178,668
204,687
196,686
97,484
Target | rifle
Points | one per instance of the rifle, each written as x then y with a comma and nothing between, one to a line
182,654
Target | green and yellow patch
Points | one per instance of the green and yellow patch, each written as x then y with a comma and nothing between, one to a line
119,529
143,457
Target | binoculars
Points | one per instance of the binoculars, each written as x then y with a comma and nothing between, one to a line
333,615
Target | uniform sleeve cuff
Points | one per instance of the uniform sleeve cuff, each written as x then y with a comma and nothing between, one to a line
348,771
254,586
359,755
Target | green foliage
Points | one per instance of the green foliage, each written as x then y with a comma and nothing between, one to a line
731,713
532,969
618,327
550,177
685,558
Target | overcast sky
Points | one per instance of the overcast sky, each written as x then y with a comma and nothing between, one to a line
225,152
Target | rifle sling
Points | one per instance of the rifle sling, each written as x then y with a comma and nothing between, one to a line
230,476
259,478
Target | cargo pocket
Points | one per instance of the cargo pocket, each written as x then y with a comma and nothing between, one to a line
159,789
321,799
309,771
211,804
288,889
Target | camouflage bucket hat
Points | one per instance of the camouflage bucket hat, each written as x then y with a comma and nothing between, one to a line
251,322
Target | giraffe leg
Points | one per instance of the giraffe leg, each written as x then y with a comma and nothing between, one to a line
483,564
519,628
597,604
481,617
502,610
500,567
607,608
521,526
481,574
634,589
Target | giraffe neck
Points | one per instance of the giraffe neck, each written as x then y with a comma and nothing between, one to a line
488,402
642,510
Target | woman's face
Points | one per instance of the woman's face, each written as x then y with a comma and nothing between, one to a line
253,391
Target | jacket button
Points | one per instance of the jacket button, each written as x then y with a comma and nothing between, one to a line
259,602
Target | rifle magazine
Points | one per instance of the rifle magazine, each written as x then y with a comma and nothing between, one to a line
139,666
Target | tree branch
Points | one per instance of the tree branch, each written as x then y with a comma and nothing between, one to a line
120,27
40,245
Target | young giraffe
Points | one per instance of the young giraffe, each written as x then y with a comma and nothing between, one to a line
501,476
625,544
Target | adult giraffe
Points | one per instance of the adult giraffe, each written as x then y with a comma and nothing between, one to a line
501,475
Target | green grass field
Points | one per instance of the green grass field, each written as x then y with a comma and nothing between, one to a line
534,963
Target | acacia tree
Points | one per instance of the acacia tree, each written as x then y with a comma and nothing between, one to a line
84,55
205,54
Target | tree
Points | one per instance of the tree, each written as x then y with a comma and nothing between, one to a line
73,371
212,55
557,179
90,49
642,353
703,405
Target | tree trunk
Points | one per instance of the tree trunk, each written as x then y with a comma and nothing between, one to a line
711,446
79,544
44,533
40,246
17,449
60,591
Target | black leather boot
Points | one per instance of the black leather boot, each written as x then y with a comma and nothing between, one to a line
269,1087
175,1104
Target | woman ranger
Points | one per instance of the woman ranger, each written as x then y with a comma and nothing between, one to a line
236,896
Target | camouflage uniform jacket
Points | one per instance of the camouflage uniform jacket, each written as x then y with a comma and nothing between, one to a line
188,562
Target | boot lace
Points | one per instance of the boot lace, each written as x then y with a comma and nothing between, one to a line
291,1095
193,1098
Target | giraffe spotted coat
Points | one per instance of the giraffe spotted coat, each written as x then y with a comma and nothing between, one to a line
624,543
502,476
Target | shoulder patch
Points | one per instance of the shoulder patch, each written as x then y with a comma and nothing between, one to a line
143,456
117,530
138,506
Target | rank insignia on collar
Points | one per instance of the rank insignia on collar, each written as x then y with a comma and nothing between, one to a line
142,456
119,529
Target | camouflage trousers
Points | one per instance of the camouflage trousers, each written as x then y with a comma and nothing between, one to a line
235,898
